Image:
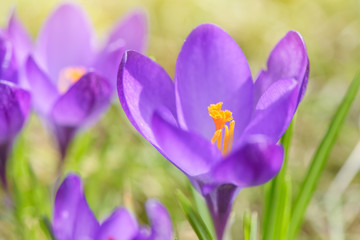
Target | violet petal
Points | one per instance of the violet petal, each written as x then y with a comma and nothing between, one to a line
72,217
190,152
121,225
43,90
161,227
143,87
65,40
83,103
275,110
211,68
287,60
255,163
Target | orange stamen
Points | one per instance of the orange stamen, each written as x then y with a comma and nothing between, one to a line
220,118
69,76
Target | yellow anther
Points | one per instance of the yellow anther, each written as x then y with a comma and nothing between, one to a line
231,133
220,119
217,138
226,141
219,116
69,76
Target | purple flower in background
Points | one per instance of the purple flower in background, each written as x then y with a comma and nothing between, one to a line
73,219
214,123
14,106
72,82
15,46
14,101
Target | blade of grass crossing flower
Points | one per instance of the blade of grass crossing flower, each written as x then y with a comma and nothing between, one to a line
274,195
202,209
250,225
46,227
283,216
253,231
320,159
267,189
247,224
194,218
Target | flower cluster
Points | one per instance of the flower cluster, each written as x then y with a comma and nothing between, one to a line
73,219
221,151
71,80
15,101
213,122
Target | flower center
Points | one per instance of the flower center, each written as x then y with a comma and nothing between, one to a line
220,118
68,76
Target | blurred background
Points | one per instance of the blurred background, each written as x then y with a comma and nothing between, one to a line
120,168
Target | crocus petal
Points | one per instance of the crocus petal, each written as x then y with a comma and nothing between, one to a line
4,154
44,91
121,225
64,41
72,218
211,68
143,87
130,32
190,152
14,109
274,110
255,163
83,102
108,61
8,65
287,60
20,39
161,227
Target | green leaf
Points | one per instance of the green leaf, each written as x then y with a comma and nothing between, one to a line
253,231
320,159
250,225
202,209
275,199
46,227
247,225
283,215
194,218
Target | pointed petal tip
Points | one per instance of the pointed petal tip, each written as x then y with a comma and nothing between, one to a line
161,226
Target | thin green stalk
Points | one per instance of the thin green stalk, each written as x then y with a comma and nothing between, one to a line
274,197
320,159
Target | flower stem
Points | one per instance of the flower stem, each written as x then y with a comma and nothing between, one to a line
219,202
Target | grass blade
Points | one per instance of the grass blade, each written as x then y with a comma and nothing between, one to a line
202,209
250,225
274,207
247,225
320,159
46,227
194,218
253,229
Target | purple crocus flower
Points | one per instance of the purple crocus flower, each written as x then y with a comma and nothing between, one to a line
214,123
15,46
72,82
14,101
73,219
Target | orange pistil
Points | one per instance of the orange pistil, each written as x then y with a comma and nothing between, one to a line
220,118
69,76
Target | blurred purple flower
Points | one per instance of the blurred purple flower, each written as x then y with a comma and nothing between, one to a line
71,81
14,101
186,123
73,219
15,46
